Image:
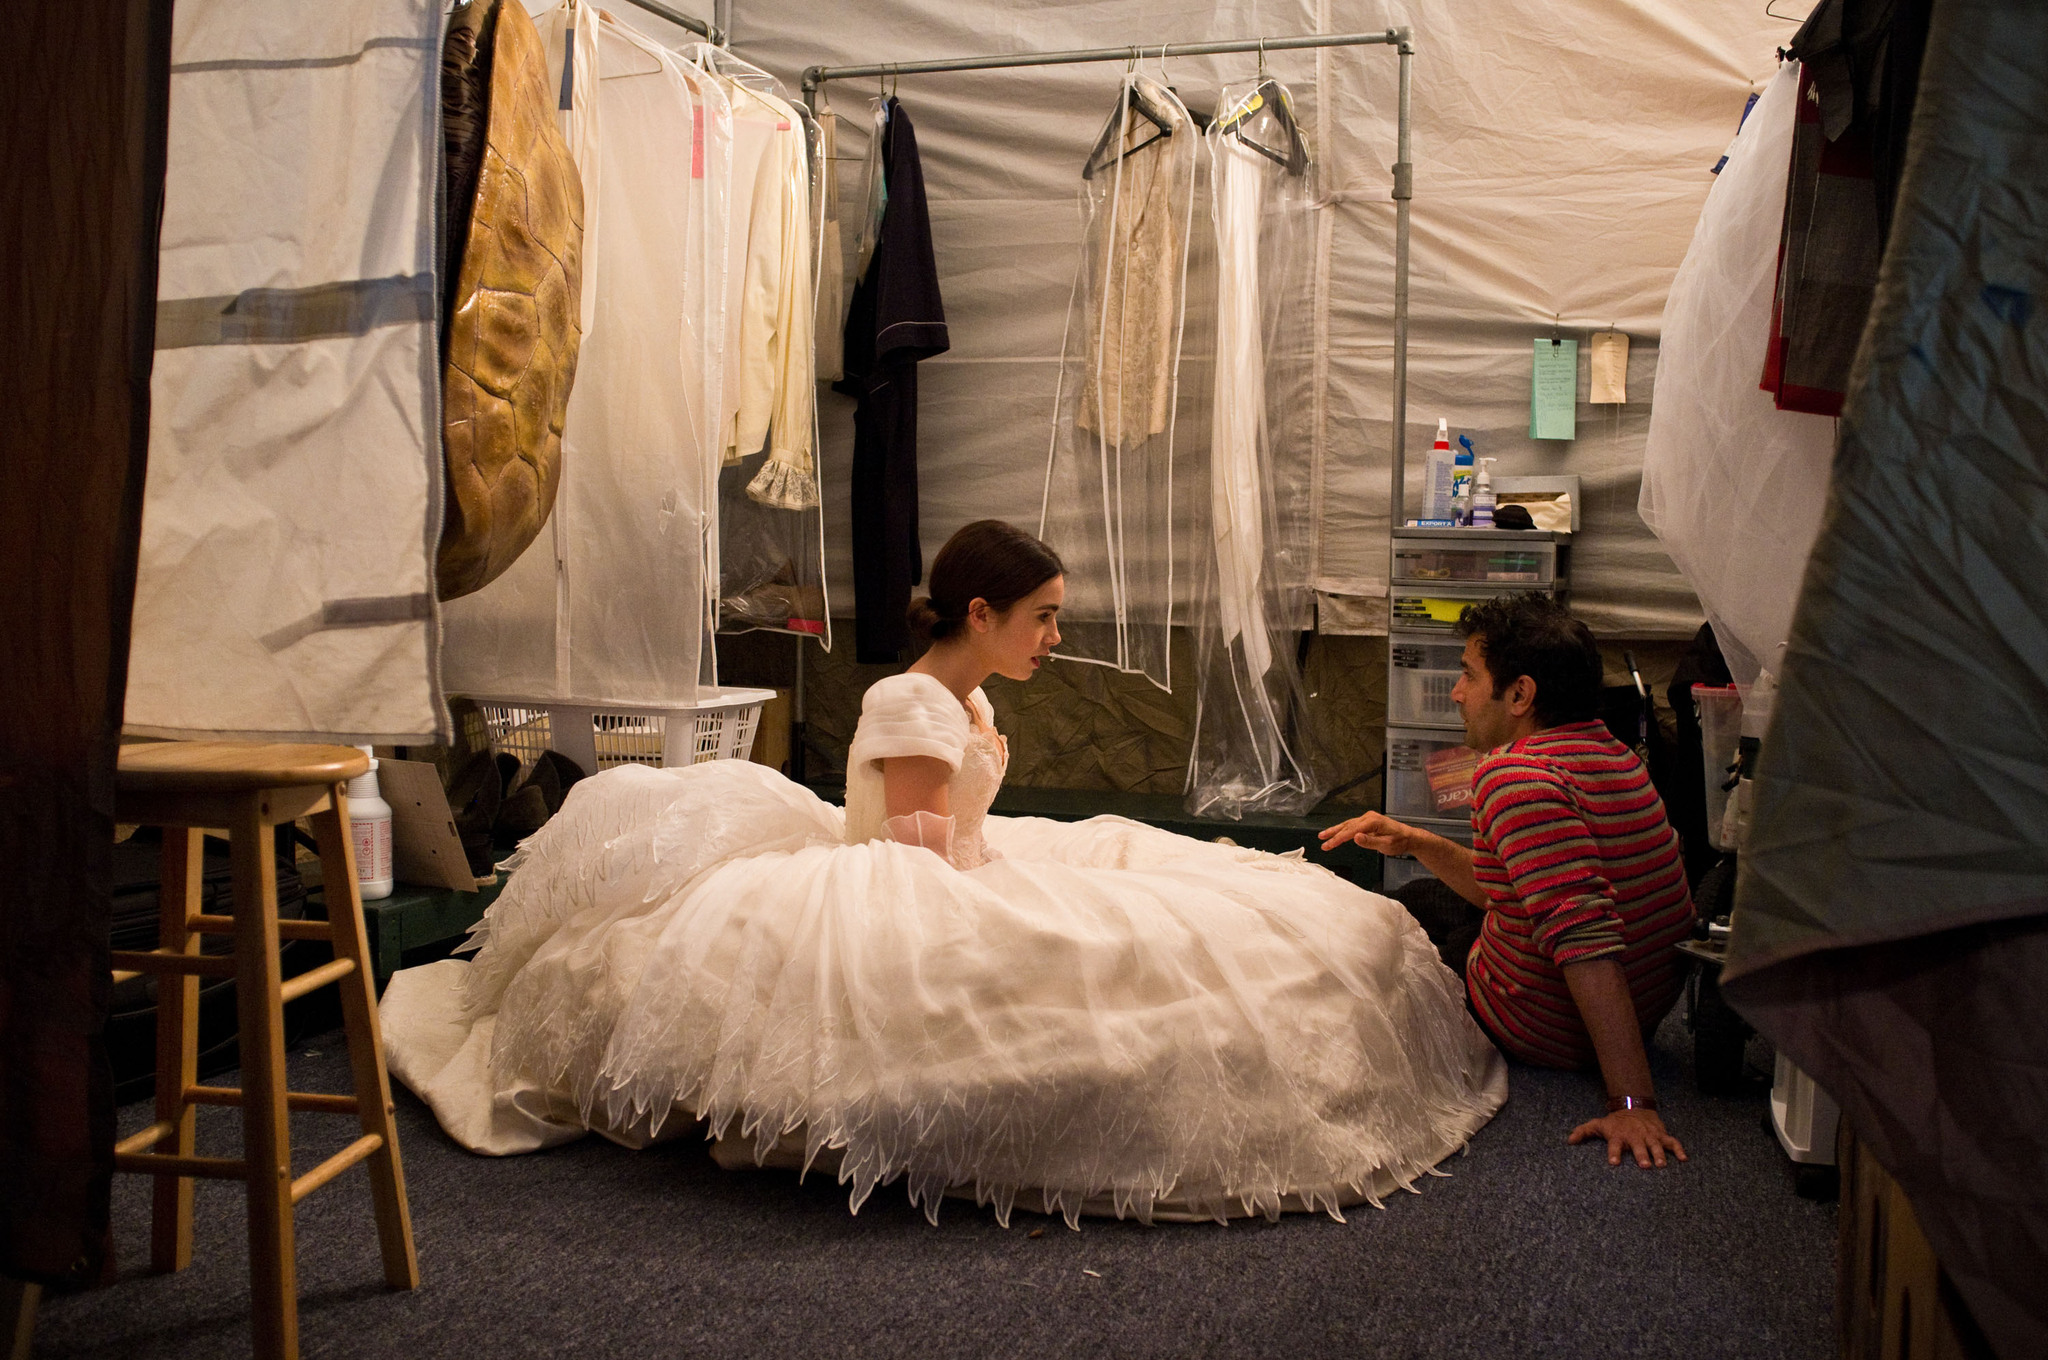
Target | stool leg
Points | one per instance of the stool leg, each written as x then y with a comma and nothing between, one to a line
177,1046
266,1137
365,1040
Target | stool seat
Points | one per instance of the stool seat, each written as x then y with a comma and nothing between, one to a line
233,767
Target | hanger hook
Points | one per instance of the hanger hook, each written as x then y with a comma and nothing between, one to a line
1262,56
1131,66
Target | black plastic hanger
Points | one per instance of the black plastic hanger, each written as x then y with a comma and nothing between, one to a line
1134,97
1270,97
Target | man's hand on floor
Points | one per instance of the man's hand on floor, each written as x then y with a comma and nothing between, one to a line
1639,1132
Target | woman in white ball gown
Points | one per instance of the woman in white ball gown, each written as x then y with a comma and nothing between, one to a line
1096,1017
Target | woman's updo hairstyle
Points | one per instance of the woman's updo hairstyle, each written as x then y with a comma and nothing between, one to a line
986,560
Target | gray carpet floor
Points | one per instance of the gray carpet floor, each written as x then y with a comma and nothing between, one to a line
1527,1248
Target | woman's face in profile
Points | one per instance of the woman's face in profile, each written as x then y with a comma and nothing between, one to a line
1019,639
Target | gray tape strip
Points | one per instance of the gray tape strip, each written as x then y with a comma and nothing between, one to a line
297,63
282,316
367,612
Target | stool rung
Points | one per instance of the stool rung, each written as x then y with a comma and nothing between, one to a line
294,988
318,1102
122,975
146,1139
170,961
164,1164
335,1165
205,924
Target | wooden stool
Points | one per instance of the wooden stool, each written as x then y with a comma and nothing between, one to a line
249,789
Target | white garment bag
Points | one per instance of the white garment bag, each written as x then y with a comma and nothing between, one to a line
1255,596
1732,486
285,587
767,548
1109,478
616,612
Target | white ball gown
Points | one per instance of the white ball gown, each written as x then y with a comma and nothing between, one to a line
1095,1017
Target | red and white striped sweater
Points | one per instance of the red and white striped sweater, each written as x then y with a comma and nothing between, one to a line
1578,861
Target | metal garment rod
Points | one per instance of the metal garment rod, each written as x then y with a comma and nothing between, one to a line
711,32
1402,40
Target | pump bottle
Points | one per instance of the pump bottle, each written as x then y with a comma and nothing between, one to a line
1482,495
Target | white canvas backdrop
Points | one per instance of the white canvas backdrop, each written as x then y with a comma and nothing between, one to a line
1562,155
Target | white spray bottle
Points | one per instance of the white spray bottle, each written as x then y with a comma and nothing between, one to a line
369,827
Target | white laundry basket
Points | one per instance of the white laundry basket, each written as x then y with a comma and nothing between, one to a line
719,726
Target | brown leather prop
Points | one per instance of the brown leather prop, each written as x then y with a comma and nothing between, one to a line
514,325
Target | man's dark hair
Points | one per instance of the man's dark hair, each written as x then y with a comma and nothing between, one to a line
1533,635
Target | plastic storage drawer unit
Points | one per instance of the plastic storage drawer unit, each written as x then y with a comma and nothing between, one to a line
1429,774
1421,673
1475,564
1435,609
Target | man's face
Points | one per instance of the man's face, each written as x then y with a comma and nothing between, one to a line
1489,721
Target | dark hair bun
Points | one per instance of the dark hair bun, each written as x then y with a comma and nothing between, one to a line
927,623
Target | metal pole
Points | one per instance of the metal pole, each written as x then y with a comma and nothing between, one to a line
796,718
709,31
815,76
1404,191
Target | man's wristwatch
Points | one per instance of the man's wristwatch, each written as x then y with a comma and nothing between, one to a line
1616,1104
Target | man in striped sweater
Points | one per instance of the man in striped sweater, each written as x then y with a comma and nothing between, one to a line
1573,862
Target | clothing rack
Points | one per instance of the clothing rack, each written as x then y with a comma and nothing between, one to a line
710,32
1402,40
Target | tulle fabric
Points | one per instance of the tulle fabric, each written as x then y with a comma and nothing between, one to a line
1105,1018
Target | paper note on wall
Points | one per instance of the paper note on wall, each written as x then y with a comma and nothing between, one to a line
1608,364
1554,390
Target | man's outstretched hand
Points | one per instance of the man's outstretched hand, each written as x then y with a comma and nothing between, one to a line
1639,1132
1375,831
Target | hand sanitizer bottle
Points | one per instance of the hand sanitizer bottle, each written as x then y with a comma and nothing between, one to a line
1482,495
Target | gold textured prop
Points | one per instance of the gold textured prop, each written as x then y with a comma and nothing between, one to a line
515,324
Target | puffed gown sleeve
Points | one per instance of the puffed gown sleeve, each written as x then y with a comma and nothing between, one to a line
902,715
910,715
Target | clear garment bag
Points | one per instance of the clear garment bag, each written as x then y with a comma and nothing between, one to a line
1109,482
1253,598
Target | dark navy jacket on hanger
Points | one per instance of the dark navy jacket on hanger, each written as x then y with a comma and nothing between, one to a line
894,320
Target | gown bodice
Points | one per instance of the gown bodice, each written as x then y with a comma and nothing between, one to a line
914,715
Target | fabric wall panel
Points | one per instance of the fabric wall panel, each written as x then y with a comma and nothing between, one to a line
1562,157
294,493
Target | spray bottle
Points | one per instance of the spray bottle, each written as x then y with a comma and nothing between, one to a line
1437,503
1482,495
369,827
1461,482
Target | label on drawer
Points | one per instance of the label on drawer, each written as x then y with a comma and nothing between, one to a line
1450,772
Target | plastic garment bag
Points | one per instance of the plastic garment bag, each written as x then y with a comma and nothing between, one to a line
285,582
1733,486
616,613
1109,479
1254,598
767,557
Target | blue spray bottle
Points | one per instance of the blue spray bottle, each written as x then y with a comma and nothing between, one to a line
1462,467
